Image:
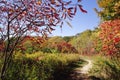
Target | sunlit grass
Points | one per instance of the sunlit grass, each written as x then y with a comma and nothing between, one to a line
39,66
105,68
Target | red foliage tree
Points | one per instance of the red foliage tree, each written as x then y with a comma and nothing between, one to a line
110,36
65,47
33,42
19,18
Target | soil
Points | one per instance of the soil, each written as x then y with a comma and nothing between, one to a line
81,73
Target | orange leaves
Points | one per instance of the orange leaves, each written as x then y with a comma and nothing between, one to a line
39,2
110,35
11,10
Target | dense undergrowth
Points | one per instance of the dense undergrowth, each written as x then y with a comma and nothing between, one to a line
39,66
106,68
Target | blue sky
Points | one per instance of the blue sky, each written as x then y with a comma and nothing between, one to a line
82,21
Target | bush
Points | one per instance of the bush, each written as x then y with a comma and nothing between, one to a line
106,69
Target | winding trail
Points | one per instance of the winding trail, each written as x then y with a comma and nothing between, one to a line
85,69
81,73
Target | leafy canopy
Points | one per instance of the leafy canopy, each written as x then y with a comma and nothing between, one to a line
21,18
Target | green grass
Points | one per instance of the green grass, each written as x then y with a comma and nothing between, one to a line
105,68
45,66
40,66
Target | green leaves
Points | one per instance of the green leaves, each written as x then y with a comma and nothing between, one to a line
109,9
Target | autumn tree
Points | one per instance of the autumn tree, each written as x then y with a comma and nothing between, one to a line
20,18
30,44
65,47
109,29
50,44
110,9
58,44
83,42
110,36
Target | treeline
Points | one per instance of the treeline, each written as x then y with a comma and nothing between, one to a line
83,43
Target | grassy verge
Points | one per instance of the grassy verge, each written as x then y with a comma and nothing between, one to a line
39,66
105,68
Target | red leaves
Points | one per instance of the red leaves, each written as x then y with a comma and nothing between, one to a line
80,7
69,11
117,40
65,47
50,29
110,35
38,13
3,9
68,2
32,41
75,10
56,15
35,16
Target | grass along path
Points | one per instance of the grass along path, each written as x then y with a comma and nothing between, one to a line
81,72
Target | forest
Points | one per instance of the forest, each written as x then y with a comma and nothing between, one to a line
27,52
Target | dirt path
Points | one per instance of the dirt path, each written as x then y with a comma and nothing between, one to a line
81,73
87,67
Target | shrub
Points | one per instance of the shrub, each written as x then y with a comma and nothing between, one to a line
106,69
110,36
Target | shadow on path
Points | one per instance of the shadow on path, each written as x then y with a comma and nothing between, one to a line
81,76
75,71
